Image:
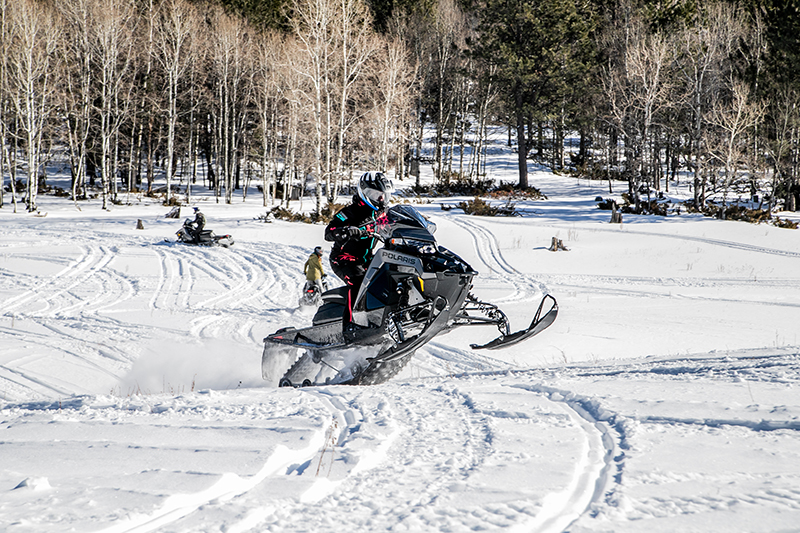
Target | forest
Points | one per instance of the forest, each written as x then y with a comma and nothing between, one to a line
156,97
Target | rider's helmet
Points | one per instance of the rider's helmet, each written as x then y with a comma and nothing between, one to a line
195,209
318,250
375,190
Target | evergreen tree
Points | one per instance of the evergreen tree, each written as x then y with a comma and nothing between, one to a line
260,13
537,47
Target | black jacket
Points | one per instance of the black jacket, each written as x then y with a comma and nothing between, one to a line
199,221
356,214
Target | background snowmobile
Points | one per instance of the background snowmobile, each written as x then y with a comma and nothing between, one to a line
311,294
413,290
206,237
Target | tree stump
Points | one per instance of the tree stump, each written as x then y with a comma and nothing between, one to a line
139,224
557,244
175,212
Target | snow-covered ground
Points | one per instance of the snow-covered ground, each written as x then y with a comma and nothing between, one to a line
664,398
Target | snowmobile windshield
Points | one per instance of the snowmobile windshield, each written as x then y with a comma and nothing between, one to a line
407,215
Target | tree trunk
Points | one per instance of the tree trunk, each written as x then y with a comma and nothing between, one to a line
522,146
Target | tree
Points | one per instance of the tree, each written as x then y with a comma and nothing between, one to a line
313,27
638,88
355,45
447,41
177,26
77,94
30,60
394,79
4,47
706,49
233,78
784,125
733,119
531,44
267,97
113,50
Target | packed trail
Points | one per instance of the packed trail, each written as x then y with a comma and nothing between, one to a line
662,398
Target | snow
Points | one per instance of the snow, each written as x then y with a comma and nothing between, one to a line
664,397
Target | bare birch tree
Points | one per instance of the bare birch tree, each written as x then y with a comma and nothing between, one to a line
294,87
5,159
393,91
447,33
233,73
177,25
733,119
706,49
356,44
783,148
113,43
267,99
637,85
77,53
313,27
31,56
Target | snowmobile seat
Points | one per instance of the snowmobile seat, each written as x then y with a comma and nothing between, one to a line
328,312
337,296
205,236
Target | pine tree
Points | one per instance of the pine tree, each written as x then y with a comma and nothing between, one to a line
537,47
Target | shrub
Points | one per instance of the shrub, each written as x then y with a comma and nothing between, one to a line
607,204
455,184
784,223
509,190
482,208
739,212
325,215
460,186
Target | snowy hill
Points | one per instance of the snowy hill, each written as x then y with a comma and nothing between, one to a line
664,398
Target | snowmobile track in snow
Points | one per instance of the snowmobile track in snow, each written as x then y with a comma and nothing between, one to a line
703,240
488,249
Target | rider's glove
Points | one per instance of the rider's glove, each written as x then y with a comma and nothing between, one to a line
354,232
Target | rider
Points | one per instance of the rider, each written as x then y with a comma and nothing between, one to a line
313,269
352,232
198,224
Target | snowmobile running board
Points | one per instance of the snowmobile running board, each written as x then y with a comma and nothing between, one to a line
390,361
371,370
538,324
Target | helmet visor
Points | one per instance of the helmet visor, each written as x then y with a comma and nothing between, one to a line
377,198
377,192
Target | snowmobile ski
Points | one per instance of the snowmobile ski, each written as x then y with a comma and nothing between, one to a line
538,324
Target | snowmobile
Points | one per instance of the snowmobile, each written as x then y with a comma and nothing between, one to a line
206,237
413,290
311,295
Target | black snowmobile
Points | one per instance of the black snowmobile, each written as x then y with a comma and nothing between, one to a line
311,295
413,290
206,237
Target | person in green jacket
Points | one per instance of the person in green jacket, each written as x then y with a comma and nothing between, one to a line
313,270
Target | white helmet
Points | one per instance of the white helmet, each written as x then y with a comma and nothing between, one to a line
375,190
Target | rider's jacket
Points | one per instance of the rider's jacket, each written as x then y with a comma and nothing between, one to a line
313,268
199,221
348,248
